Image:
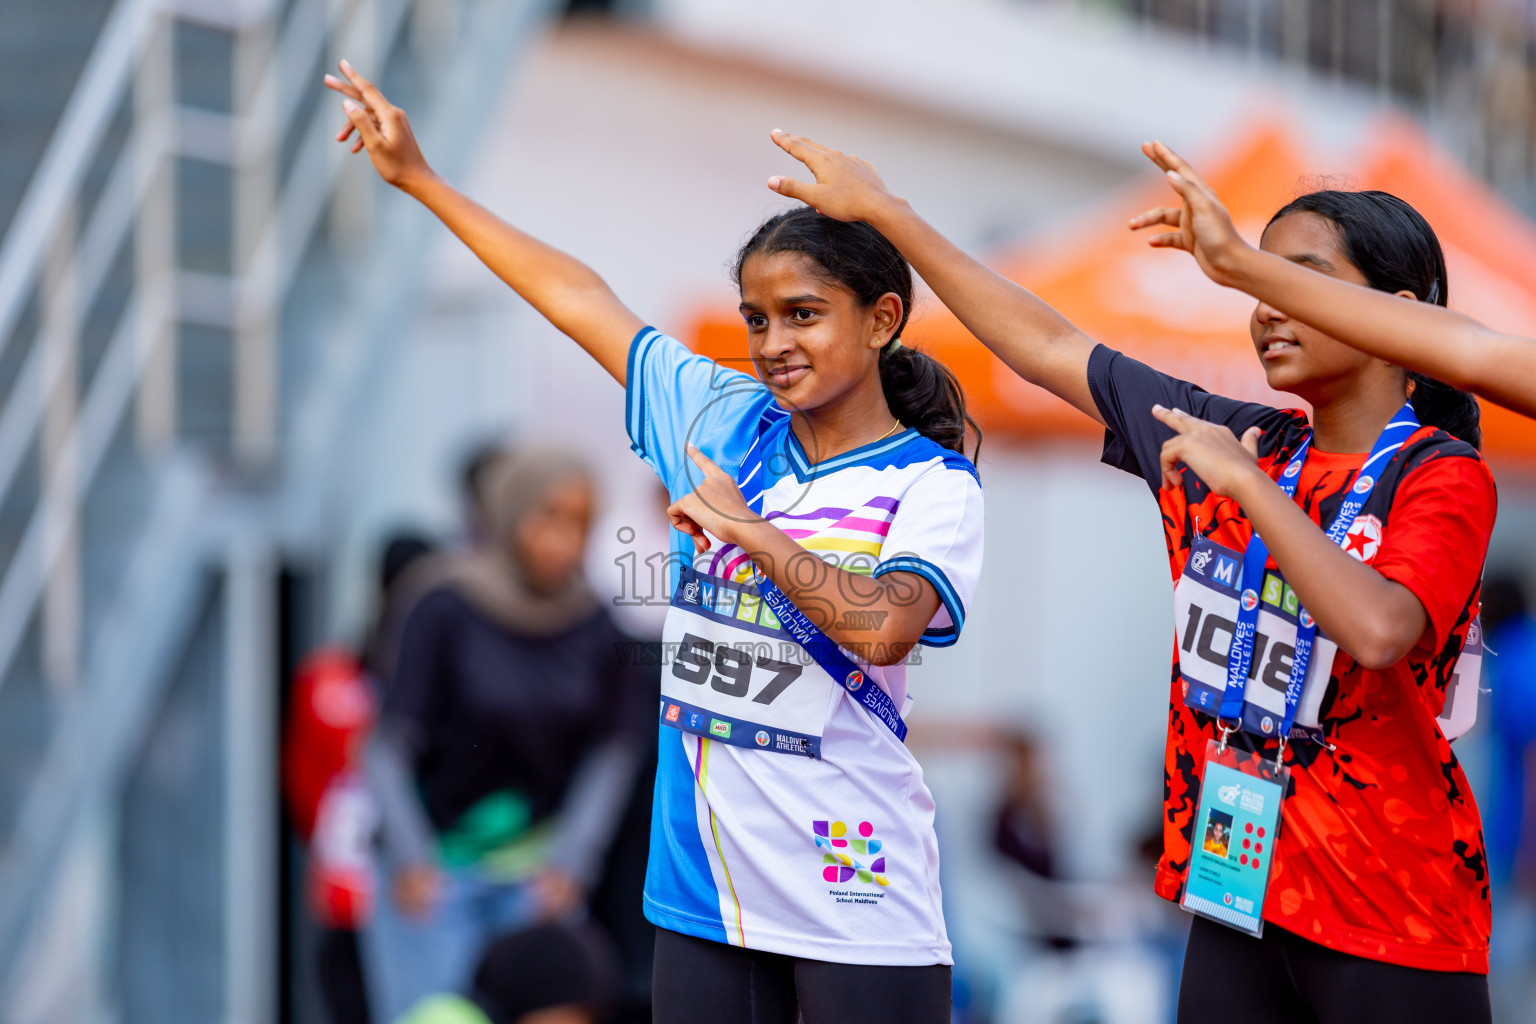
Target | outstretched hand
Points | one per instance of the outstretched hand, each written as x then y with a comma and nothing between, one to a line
846,188
1204,228
716,505
1210,450
381,127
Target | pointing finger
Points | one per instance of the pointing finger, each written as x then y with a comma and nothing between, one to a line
345,88
1173,240
1168,160
1168,215
1177,419
703,461
800,148
367,131
792,188
370,93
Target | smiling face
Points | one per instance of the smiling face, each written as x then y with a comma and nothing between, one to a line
811,340
1297,358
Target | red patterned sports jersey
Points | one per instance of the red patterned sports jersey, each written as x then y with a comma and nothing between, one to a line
1381,848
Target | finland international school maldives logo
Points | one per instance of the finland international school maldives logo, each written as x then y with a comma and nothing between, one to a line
845,858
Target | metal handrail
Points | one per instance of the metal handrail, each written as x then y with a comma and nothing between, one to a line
67,158
191,520
288,228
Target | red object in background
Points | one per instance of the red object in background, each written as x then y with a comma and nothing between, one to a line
331,715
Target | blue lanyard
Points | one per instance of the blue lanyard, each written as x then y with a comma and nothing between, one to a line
749,477
1240,655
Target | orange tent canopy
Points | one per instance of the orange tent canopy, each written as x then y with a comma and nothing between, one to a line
1158,307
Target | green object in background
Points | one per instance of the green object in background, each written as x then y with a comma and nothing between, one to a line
495,822
445,1009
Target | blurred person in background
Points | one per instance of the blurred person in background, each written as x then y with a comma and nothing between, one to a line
546,974
331,712
474,470
499,760
1511,803
1025,834
1392,461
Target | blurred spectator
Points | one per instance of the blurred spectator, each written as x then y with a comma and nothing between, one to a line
1024,835
332,710
1509,818
499,761
548,974
473,479
398,593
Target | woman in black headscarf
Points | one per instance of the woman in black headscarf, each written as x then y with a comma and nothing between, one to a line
499,759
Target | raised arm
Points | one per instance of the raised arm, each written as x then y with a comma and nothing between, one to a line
566,291
1037,343
1420,336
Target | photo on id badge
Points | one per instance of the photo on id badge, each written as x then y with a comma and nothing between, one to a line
1218,833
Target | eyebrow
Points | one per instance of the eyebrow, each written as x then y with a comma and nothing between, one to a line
793,300
1311,259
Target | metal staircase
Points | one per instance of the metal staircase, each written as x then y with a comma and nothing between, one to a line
198,290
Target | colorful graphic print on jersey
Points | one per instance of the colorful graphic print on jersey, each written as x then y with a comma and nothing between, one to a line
849,857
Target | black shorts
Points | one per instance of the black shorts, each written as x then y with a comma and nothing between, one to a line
1284,979
697,981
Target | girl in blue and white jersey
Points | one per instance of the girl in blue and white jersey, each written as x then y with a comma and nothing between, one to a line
827,521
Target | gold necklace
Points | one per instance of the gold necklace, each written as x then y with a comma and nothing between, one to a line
894,427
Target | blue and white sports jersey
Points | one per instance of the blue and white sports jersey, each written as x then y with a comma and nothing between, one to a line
832,857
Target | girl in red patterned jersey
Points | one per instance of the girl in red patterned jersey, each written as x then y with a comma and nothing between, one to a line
1377,907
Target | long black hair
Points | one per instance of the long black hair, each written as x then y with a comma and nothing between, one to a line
1395,249
921,391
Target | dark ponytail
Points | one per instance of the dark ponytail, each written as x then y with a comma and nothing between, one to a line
921,391
1396,250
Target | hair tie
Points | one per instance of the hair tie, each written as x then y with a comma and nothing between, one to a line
893,344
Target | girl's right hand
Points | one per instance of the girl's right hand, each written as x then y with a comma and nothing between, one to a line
1205,228
846,188
382,128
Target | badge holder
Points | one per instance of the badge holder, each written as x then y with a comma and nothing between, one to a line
1236,835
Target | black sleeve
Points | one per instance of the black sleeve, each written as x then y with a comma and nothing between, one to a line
415,694
1125,391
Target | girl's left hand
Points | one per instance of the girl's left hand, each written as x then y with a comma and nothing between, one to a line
715,505
1212,451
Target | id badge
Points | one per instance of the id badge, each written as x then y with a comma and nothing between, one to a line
1235,836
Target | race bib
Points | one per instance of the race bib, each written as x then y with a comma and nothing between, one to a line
735,675
1205,608
1205,615
1460,711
